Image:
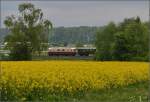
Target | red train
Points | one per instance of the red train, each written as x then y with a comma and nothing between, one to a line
62,51
67,51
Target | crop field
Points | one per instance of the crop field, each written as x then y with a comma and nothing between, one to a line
44,80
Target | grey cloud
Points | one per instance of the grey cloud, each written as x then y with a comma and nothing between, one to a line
85,13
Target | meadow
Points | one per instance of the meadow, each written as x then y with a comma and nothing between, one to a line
69,80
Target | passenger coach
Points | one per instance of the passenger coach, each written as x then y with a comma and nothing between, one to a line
67,51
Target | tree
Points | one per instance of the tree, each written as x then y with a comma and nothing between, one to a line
127,41
120,48
126,22
137,35
104,42
28,28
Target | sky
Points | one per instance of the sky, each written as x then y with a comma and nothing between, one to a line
82,13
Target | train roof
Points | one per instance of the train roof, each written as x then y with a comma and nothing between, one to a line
62,48
86,47
72,48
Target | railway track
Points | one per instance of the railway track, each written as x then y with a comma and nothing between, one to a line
63,57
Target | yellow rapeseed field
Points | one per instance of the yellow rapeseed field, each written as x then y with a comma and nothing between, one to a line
67,77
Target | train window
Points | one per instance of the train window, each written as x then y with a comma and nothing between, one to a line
63,49
58,50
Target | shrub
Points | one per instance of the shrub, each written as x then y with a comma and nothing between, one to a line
20,51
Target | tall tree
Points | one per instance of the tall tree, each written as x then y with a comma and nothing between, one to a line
28,27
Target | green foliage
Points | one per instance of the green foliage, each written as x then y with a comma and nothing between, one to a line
29,27
120,49
127,41
4,57
20,51
78,44
104,42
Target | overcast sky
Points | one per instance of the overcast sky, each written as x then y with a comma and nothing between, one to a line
82,13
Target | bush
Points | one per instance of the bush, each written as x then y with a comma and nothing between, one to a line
4,57
20,51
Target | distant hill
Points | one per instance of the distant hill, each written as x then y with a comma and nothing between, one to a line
69,35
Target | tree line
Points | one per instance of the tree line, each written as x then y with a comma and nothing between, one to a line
126,41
